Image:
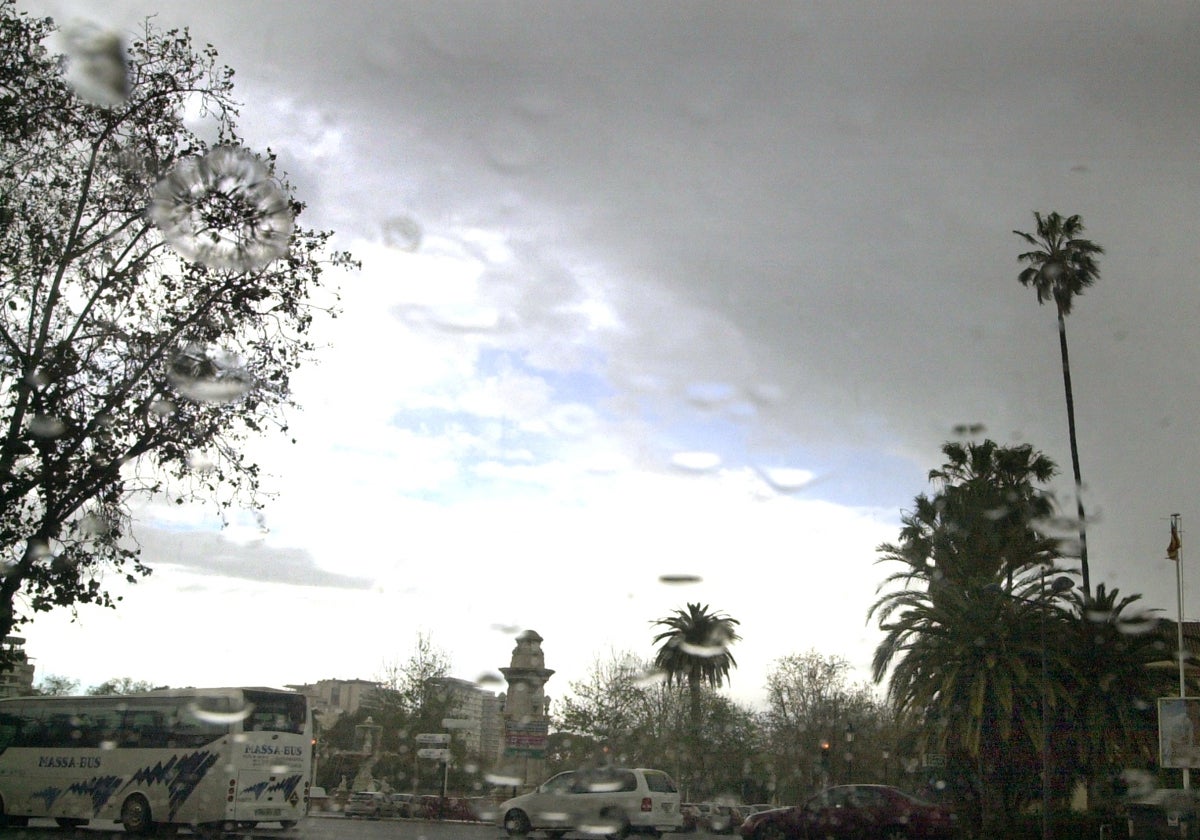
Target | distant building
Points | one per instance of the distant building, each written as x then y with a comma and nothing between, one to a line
480,709
330,699
18,681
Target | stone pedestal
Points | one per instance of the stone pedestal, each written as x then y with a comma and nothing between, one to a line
526,712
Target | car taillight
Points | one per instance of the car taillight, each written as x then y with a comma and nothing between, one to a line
647,805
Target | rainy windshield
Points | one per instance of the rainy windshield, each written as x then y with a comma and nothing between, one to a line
769,397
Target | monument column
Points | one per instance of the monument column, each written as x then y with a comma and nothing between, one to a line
526,711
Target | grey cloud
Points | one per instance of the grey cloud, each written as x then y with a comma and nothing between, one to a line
208,553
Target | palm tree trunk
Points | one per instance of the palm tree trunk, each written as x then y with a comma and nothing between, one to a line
693,748
1066,366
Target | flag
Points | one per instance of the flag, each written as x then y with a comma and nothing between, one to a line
1174,546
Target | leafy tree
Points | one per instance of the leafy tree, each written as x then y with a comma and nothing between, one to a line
54,685
624,713
122,685
1060,268
155,298
811,700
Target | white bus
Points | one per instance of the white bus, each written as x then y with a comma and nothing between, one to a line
213,759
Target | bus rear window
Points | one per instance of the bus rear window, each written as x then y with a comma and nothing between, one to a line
274,712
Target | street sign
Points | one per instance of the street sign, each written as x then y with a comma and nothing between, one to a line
433,738
458,723
434,752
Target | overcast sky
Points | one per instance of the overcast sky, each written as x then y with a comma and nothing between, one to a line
676,289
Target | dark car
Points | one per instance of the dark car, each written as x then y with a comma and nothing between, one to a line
851,812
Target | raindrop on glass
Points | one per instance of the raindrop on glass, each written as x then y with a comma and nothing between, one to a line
402,233
96,63
208,376
46,427
679,579
696,461
223,210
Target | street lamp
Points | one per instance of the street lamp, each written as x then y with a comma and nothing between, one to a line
849,754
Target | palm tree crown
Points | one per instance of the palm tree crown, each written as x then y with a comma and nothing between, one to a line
1063,264
695,647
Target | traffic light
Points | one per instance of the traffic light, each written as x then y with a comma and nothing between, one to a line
825,754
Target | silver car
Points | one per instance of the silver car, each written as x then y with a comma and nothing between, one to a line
610,801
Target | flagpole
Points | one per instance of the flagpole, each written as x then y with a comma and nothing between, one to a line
1175,552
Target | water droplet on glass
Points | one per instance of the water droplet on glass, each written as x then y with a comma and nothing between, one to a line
696,461
703,650
504,781
788,479
163,408
679,579
37,379
208,376
96,63
46,427
402,233
95,525
223,210
511,146
201,462
219,717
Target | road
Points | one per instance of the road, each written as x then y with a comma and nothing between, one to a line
316,828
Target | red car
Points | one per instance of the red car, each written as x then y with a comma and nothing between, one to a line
853,812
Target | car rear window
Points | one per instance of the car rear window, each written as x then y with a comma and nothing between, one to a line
660,782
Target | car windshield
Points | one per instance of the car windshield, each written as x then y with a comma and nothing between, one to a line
776,396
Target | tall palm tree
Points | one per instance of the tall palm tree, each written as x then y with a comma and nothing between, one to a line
1060,268
963,618
695,649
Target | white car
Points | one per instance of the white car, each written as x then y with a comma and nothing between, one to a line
609,801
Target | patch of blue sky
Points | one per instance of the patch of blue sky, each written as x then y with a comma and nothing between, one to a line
852,476
582,383
491,456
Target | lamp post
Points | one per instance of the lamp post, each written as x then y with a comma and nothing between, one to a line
849,754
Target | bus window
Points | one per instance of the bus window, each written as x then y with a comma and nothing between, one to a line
10,727
144,728
274,712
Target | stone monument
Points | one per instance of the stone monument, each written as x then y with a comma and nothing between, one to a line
526,711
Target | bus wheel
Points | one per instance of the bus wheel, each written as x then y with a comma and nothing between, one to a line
135,815
14,822
286,824
69,822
